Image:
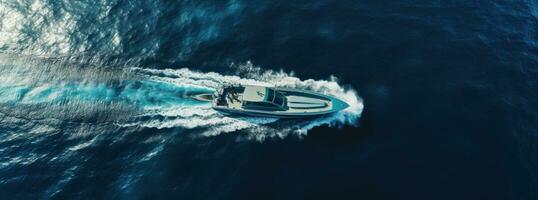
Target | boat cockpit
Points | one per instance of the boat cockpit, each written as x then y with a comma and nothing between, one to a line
251,97
229,94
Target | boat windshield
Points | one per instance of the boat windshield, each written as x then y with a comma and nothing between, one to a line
275,97
279,99
270,95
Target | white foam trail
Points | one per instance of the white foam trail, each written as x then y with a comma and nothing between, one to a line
213,123
188,77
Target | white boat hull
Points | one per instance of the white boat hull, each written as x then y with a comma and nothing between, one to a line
301,104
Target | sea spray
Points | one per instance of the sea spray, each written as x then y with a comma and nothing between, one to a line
214,123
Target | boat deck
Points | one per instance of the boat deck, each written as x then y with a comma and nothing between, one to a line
267,102
293,108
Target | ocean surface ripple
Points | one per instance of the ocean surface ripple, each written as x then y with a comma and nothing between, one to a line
95,99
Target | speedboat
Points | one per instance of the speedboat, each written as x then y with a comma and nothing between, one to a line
272,102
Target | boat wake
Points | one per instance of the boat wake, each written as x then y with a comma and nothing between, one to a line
214,123
155,98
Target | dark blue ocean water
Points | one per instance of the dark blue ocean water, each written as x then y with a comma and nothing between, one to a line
94,99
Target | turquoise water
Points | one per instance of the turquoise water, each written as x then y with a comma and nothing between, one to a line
143,94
